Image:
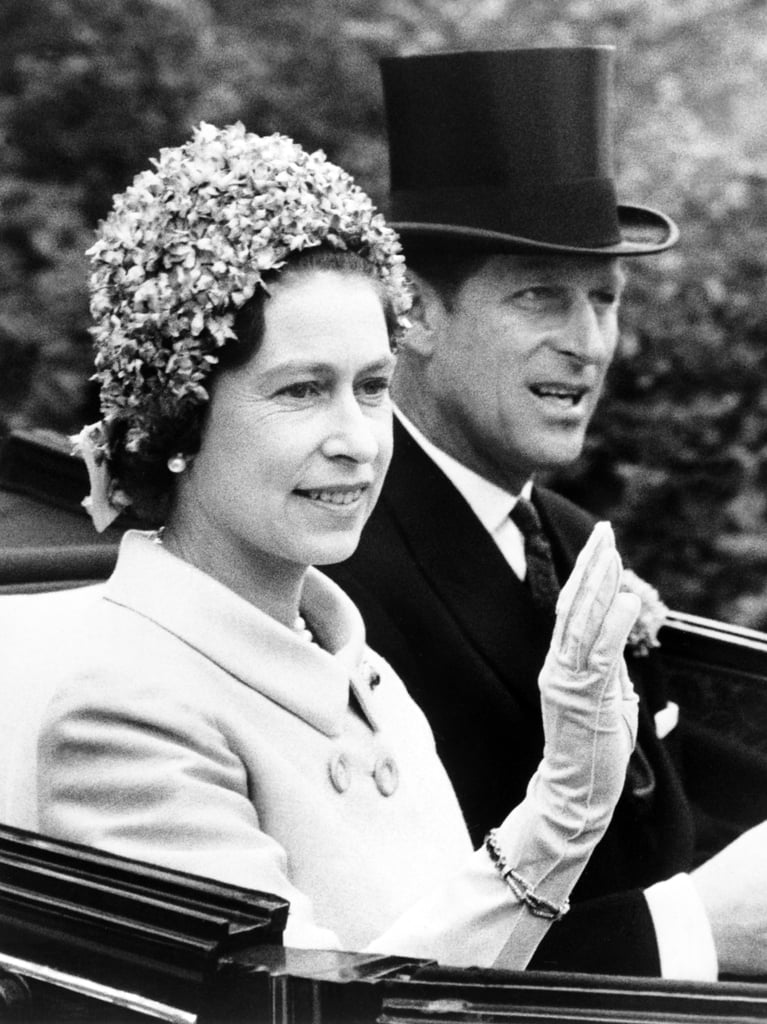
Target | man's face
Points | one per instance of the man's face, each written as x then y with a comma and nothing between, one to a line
519,362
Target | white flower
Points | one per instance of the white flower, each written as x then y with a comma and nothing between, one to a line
652,613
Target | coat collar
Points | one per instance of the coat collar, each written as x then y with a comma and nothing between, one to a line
490,503
464,566
310,681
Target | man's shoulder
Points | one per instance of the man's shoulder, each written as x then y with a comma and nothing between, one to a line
564,511
566,524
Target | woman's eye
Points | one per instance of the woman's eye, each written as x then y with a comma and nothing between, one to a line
300,389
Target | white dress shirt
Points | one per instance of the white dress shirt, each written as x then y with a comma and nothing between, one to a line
489,503
682,930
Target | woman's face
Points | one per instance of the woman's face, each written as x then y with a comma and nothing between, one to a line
298,440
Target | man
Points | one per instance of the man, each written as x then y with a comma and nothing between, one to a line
502,191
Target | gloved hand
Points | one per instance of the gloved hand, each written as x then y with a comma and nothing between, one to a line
590,721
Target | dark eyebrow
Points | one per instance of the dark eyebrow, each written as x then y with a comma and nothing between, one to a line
319,368
540,266
382,365
532,265
296,366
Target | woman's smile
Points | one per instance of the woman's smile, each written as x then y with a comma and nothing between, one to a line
345,498
311,411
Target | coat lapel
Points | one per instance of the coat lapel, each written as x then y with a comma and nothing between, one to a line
462,563
567,527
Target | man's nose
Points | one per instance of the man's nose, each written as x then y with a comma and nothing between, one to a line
350,432
586,334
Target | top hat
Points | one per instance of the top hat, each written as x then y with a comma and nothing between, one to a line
510,150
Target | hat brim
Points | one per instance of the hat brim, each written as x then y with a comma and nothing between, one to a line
643,231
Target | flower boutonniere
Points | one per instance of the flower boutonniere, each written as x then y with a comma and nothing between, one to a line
652,614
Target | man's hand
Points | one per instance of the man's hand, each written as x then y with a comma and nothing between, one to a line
733,888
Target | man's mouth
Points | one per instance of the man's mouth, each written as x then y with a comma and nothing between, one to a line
567,394
334,495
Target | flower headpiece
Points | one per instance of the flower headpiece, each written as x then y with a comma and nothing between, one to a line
188,244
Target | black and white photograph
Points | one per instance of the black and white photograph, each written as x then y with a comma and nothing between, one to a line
383,511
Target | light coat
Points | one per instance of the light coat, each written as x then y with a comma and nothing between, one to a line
194,731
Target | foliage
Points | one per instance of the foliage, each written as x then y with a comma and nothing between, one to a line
91,89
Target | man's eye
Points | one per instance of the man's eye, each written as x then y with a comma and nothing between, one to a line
604,299
538,297
375,387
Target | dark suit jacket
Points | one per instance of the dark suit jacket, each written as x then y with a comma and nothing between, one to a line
441,604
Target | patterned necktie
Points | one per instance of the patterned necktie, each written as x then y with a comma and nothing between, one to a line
541,577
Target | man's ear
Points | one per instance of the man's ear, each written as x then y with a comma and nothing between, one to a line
427,316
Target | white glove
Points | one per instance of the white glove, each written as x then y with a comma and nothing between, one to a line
590,721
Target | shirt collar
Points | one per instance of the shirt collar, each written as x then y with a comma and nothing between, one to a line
490,503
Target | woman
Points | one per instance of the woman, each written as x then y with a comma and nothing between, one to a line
224,716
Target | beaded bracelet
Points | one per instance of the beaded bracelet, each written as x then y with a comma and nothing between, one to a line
524,892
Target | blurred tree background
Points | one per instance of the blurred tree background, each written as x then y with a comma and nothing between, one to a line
91,89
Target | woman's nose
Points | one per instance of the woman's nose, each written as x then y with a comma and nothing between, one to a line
350,434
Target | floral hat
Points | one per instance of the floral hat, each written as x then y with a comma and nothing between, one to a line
188,244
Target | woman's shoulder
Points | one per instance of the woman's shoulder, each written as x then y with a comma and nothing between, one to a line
41,634
89,652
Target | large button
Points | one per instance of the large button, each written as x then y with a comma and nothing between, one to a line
340,773
386,775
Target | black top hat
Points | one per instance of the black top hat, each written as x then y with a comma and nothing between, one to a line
510,150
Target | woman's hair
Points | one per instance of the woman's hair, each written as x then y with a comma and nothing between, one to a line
181,271
249,321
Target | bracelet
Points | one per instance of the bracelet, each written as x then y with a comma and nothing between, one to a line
524,892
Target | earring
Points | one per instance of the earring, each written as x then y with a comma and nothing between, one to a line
177,463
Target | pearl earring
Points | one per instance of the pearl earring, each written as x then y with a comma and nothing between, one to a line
177,463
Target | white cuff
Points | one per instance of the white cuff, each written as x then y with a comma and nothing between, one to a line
682,929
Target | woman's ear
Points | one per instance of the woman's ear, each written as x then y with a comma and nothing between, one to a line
426,315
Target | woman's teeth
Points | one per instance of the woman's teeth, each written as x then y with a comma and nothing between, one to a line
335,497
